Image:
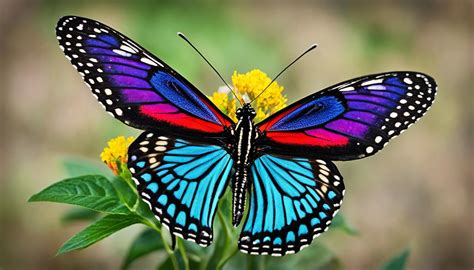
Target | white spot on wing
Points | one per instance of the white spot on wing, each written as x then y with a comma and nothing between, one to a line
350,88
372,82
122,53
407,81
128,49
160,148
324,178
378,139
148,61
376,87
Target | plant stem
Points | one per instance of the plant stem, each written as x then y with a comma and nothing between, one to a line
250,262
224,225
225,259
151,224
182,251
255,262
125,177
227,235
170,252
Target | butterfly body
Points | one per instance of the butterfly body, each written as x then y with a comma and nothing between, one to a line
244,151
189,152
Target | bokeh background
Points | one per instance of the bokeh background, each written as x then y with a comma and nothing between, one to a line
416,194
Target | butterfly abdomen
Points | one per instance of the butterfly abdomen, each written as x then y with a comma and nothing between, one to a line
245,134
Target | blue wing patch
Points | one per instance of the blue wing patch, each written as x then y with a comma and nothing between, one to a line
292,201
181,182
313,113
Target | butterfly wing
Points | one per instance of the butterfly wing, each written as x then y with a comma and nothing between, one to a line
133,85
292,201
352,119
181,181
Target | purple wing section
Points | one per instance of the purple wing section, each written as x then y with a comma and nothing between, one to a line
350,120
133,85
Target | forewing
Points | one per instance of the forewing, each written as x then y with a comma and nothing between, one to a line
181,181
133,85
292,201
350,120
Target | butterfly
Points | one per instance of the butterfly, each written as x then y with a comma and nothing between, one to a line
190,152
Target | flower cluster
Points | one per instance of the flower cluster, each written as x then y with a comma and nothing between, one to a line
115,155
247,86
227,104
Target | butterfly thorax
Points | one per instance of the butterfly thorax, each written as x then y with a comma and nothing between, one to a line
245,134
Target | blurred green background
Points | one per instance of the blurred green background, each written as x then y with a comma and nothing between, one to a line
415,194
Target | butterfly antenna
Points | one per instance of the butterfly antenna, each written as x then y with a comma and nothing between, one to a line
181,35
312,47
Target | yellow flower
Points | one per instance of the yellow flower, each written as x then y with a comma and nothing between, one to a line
115,155
251,84
247,86
225,103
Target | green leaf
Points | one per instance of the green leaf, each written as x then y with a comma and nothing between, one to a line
91,191
399,262
340,222
97,231
224,247
78,166
195,251
79,214
148,241
168,263
220,248
126,193
225,204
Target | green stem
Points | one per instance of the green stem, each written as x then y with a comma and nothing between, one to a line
151,224
182,251
255,262
125,177
250,263
170,252
224,225
225,259
227,235
168,249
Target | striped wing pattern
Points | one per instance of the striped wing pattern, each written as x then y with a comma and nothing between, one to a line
292,201
181,181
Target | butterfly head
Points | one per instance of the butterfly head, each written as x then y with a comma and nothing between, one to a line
246,111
